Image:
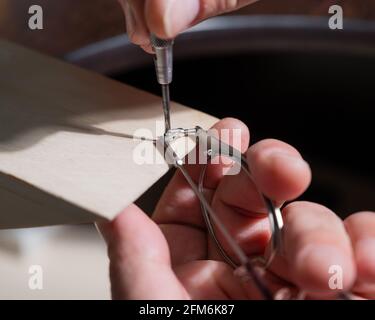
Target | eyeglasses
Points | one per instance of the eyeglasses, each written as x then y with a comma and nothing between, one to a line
209,147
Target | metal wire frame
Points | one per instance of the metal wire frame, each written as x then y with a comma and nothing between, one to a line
215,147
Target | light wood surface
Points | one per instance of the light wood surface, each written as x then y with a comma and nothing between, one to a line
66,141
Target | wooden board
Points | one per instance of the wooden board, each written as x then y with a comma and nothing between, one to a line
66,141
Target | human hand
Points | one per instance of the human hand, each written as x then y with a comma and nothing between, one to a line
172,256
168,18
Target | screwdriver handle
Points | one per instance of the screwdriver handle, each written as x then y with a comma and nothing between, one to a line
160,43
163,59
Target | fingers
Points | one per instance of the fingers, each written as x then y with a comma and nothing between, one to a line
361,229
280,172
215,280
210,280
317,249
139,258
167,18
185,243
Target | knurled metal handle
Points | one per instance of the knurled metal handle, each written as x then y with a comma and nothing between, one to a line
160,43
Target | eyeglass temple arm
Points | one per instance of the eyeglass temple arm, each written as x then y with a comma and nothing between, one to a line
218,147
172,158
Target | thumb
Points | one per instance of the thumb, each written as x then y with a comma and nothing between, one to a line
140,266
167,18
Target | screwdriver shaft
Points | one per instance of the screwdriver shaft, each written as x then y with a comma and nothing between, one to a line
164,71
166,106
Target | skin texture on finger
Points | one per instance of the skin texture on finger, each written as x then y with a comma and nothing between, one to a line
210,280
361,229
186,244
168,18
251,234
211,8
315,241
140,265
240,193
279,170
215,280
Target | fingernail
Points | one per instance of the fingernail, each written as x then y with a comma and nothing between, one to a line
365,254
179,15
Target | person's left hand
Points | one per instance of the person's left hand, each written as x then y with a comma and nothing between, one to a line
173,257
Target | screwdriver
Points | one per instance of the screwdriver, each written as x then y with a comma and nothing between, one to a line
164,72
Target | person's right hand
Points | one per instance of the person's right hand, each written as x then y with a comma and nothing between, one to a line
167,18
172,255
